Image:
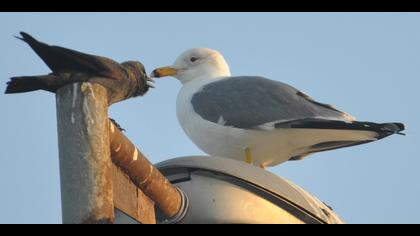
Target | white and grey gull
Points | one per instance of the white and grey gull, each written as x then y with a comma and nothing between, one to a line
254,119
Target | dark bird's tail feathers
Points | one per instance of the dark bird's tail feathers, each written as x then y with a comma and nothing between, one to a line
24,84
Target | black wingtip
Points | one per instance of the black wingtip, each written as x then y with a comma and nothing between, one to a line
19,37
396,127
25,37
401,126
383,129
386,129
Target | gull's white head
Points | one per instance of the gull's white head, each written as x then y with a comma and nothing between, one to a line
195,63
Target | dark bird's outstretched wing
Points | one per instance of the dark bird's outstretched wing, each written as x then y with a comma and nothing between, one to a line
60,59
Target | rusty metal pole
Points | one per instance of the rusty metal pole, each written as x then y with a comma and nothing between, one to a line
145,175
85,164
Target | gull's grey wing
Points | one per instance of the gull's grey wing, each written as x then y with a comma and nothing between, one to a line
252,102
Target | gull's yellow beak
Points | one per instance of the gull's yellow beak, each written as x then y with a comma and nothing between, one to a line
163,71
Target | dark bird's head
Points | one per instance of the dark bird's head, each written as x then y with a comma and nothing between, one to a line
137,71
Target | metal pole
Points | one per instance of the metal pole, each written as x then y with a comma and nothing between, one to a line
85,163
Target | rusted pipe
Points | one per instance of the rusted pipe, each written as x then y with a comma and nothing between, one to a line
144,174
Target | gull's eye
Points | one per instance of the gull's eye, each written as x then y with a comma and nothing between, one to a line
193,59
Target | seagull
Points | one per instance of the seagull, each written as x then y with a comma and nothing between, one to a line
122,81
257,120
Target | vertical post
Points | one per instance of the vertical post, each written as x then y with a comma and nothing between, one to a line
85,163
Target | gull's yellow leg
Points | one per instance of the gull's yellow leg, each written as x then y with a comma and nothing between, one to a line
248,156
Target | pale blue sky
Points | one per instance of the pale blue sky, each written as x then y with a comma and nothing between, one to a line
367,64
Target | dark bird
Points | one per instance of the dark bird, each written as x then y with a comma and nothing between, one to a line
123,81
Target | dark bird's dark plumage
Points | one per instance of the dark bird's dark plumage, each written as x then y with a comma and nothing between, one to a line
123,81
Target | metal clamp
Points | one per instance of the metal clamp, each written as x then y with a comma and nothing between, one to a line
182,210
